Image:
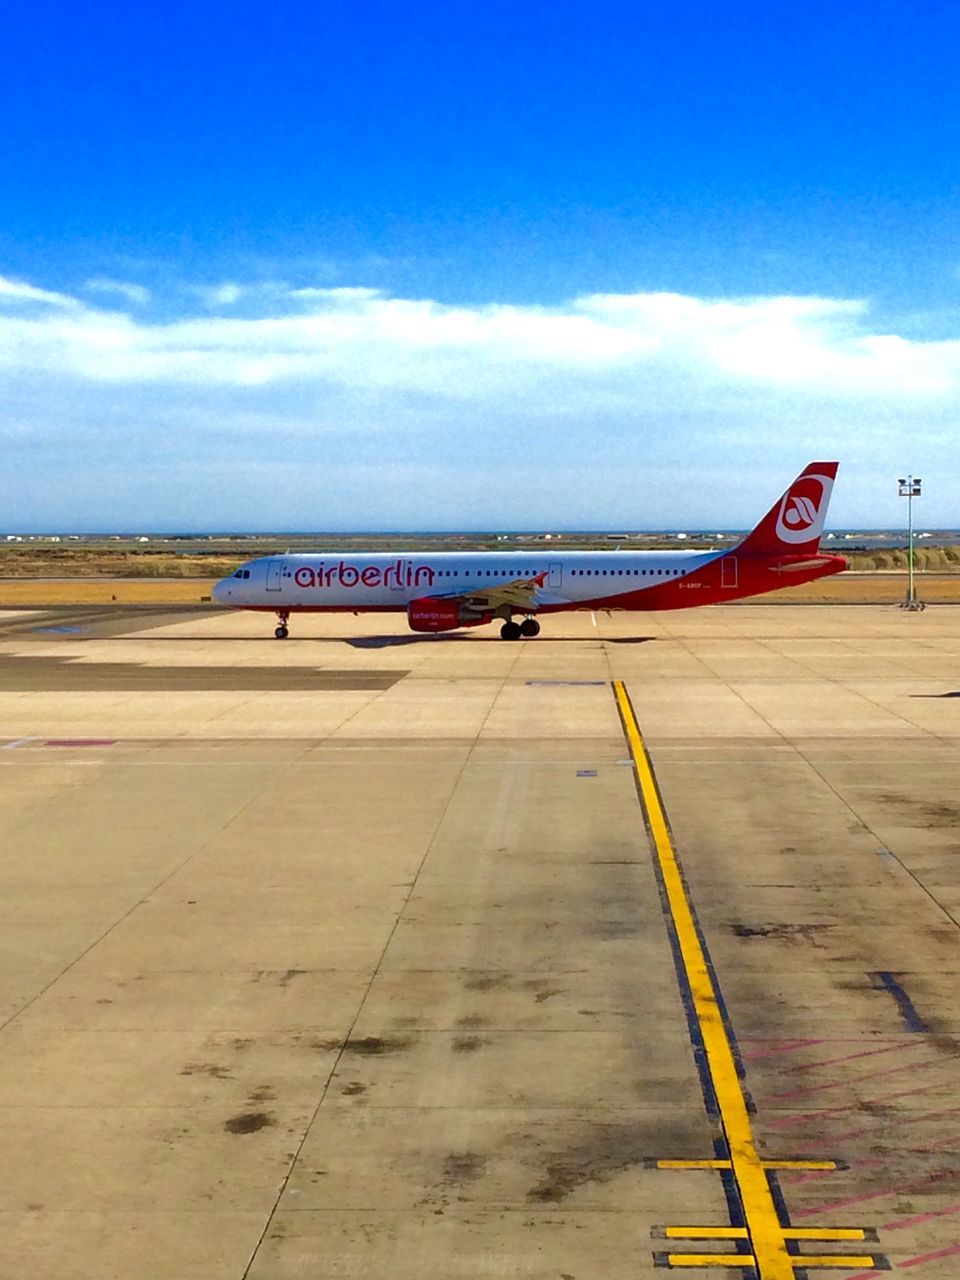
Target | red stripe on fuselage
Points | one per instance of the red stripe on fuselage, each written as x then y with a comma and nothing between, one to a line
709,584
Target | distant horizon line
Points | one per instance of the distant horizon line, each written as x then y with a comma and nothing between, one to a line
614,531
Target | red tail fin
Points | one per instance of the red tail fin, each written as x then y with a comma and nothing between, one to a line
794,523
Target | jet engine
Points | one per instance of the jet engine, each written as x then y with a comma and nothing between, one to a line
428,614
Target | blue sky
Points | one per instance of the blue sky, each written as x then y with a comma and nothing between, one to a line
384,265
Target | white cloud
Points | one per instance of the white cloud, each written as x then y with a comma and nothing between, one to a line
356,293
360,337
135,293
589,391
16,291
219,295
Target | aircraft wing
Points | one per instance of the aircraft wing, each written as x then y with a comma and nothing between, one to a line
518,593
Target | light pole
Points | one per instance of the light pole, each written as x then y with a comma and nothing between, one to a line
910,489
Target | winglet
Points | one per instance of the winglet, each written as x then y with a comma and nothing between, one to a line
794,523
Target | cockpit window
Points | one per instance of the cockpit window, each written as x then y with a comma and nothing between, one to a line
238,574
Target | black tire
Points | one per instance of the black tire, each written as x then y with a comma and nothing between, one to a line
529,628
281,633
510,631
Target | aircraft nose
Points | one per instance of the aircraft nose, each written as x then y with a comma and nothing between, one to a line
220,591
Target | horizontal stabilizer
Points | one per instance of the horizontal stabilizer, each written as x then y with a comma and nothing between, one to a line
802,564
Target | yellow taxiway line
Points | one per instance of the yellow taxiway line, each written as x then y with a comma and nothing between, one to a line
767,1236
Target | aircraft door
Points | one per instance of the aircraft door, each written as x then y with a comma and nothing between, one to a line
555,572
274,568
728,572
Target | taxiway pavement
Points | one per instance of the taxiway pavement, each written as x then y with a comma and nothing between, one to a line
359,953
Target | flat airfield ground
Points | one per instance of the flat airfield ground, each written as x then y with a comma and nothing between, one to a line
351,955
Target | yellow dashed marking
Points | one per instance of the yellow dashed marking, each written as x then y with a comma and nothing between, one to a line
740,1233
728,1164
849,1262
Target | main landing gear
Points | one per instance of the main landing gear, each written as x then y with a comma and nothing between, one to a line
282,631
526,629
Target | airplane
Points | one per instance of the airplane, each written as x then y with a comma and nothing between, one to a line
445,591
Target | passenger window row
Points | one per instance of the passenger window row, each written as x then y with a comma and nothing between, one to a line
529,573
605,573
489,573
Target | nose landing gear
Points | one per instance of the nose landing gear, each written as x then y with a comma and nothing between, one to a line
282,631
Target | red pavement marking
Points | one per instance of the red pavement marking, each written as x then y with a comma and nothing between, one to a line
929,1257
817,1145
920,1217
867,1053
953,1140
848,1080
874,1195
788,1046
81,742
910,1262
789,1121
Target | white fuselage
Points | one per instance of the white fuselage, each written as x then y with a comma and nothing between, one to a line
320,581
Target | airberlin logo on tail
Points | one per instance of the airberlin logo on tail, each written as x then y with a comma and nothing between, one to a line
803,509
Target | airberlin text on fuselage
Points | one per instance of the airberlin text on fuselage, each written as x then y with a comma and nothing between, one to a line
402,573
